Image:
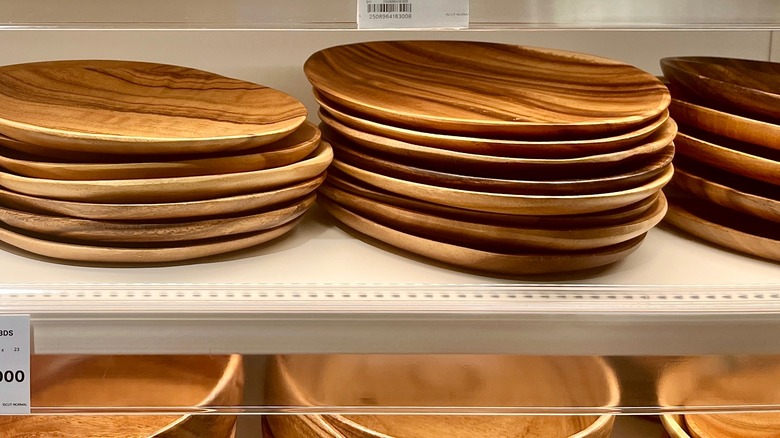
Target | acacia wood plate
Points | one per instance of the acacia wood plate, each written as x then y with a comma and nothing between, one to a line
488,89
151,212
726,125
750,86
495,237
509,203
86,230
729,155
745,425
510,147
177,189
286,151
139,254
127,107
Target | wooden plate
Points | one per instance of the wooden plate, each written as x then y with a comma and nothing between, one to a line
495,237
526,263
736,157
726,125
286,151
138,254
508,203
476,88
368,130
130,381
126,107
747,425
726,228
747,85
674,424
85,230
730,191
151,212
165,190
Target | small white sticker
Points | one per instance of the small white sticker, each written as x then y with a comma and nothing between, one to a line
413,14
14,364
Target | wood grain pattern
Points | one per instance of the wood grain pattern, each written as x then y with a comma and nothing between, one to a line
747,86
510,147
487,89
288,150
151,212
127,107
749,425
726,125
177,189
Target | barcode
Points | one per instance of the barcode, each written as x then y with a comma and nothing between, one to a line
390,7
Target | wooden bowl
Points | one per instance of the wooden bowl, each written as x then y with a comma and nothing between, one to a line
486,89
126,107
745,425
166,190
745,85
131,382
286,151
363,129
674,424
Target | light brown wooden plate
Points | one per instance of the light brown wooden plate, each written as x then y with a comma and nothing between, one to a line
732,156
286,151
126,107
150,212
496,237
726,125
508,203
368,130
724,227
747,85
179,189
130,381
86,230
747,425
525,263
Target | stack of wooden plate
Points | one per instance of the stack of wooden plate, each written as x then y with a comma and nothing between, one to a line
499,158
728,163
118,161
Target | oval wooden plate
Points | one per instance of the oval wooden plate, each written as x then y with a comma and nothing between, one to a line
164,253
286,151
85,230
750,86
508,203
127,107
162,190
747,425
729,155
151,212
488,89
370,129
526,263
505,238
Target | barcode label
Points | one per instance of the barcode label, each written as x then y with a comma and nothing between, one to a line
389,7
413,14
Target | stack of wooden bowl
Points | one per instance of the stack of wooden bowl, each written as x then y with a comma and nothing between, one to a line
727,185
119,161
128,383
498,158
457,381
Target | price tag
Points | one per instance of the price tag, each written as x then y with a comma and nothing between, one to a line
413,14
14,364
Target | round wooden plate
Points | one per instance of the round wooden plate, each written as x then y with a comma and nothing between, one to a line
130,381
151,212
178,189
127,107
488,89
286,151
85,230
748,425
138,254
732,156
373,131
526,263
509,203
726,125
496,237
750,86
